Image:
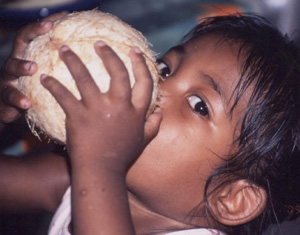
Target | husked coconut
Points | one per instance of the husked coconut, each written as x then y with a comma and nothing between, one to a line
79,31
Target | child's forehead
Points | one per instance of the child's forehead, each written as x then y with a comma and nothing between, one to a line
211,54
216,50
214,42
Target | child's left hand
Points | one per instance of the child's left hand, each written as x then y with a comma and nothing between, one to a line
111,127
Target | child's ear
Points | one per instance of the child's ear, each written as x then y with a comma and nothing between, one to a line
237,203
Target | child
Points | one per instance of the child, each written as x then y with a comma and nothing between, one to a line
229,132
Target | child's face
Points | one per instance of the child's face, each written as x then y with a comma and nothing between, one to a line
196,131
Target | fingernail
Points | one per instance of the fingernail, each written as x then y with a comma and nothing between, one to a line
25,103
43,76
137,50
64,48
28,66
100,43
43,23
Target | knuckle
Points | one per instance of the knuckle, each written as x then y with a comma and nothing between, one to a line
85,80
120,96
81,116
30,28
23,32
123,96
8,95
5,68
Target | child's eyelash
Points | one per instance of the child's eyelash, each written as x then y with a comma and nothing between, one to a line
199,105
163,68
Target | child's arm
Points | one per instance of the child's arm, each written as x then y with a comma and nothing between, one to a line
105,134
32,183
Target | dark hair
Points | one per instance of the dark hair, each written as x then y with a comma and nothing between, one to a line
268,152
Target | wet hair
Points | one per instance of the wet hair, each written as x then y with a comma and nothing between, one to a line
269,134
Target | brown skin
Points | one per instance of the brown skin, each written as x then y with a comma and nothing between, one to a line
27,174
115,130
41,180
167,179
187,148
12,101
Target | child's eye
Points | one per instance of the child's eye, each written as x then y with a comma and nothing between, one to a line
163,68
198,105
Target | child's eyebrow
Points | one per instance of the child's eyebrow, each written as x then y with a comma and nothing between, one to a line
179,50
214,85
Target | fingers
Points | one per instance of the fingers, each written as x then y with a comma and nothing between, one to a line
142,90
84,81
14,68
13,97
27,34
63,96
151,127
31,31
12,100
119,84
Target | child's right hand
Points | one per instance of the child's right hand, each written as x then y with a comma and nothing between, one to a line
113,123
12,101
105,133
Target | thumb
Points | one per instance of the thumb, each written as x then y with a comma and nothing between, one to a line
151,127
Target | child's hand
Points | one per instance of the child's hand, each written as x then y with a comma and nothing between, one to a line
111,127
11,99
105,133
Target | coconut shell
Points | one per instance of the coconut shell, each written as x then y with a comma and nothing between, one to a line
79,31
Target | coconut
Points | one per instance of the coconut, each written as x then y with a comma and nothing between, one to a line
79,31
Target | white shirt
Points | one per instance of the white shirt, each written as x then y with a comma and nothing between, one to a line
62,218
